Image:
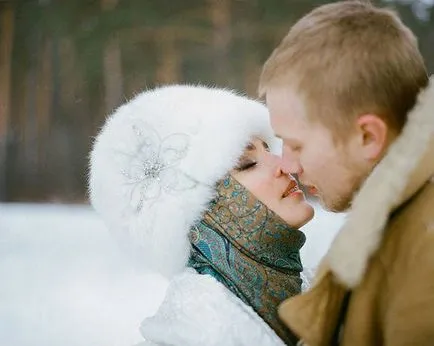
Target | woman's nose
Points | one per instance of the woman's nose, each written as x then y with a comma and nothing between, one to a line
275,162
278,172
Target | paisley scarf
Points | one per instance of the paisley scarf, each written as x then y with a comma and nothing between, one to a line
250,250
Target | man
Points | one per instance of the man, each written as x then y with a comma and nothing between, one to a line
349,95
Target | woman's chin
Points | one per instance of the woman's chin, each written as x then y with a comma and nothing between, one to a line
304,213
310,213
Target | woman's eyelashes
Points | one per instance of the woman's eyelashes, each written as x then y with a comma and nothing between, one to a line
245,164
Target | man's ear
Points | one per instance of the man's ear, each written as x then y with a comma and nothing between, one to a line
373,137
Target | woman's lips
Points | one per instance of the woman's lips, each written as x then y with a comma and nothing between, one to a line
291,189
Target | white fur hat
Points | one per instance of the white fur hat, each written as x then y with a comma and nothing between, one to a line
156,160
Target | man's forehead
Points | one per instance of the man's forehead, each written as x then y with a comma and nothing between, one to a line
283,95
284,107
288,125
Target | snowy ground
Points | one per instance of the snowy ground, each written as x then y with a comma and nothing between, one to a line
64,282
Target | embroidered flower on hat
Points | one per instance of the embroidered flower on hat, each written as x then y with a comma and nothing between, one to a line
153,166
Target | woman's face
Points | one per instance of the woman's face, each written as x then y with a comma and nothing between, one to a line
259,171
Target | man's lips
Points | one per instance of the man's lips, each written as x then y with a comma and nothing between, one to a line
311,190
291,188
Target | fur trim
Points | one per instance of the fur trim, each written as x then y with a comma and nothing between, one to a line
405,168
204,130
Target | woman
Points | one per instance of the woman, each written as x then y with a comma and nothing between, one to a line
187,174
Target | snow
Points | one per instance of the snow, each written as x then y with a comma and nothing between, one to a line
319,234
63,280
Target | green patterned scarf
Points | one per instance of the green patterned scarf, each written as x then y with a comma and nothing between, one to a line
250,250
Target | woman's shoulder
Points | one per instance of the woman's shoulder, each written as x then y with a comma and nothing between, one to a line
198,310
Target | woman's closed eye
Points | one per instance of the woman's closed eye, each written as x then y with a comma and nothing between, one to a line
245,164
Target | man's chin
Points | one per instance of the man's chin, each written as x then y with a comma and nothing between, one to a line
334,206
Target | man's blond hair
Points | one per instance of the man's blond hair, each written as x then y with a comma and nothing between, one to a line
347,59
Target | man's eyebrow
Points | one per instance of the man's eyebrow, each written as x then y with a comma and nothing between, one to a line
278,136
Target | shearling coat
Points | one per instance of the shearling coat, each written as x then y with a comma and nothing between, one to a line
383,255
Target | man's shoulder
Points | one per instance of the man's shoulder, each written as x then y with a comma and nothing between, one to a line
417,214
409,232
409,239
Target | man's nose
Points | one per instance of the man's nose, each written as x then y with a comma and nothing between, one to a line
290,163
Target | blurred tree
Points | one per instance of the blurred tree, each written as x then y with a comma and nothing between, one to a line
64,65
6,40
113,80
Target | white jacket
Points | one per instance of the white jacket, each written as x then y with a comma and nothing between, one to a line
198,311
